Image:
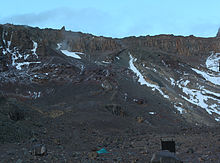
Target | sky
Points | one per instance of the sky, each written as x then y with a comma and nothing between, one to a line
117,18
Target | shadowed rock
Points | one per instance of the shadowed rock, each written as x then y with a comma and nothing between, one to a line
165,157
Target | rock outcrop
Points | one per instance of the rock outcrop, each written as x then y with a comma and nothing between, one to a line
218,34
178,45
165,157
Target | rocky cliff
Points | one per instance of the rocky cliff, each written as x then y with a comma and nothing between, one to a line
178,45
22,36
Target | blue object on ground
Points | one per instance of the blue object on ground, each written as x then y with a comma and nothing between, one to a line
102,151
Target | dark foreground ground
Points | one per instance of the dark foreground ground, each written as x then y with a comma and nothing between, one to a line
76,143
74,135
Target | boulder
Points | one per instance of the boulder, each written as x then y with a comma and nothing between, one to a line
11,108
15,113
106,85
139,101
93,155
116,110
39,150
140,119
165,157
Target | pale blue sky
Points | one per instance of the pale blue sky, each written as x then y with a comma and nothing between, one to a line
117,18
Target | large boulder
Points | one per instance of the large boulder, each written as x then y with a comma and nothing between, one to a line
39,150
11,108
116,110
165,157
15,113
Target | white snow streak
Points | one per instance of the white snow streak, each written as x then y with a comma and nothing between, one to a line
71,54
141,79
215,79
18,65
106,62
34,48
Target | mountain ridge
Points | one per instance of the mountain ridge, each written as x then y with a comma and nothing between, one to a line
158,41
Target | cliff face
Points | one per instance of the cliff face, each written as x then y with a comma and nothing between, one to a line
26,45
176,44
89,43
22,37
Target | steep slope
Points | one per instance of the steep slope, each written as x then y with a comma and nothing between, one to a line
181,71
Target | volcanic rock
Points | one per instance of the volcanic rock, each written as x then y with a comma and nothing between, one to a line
164,157
39,150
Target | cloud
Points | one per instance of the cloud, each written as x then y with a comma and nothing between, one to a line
88,20
30,18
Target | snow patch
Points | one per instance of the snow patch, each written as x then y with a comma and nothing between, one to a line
71,54
26,56
3,37
34,95
172,82
82,68
106,62
185,83
141,79
18,65
9,44
125,96
15,55
59,46
34,48
180,109
215,79
164,63
200,97
205,91
213,61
